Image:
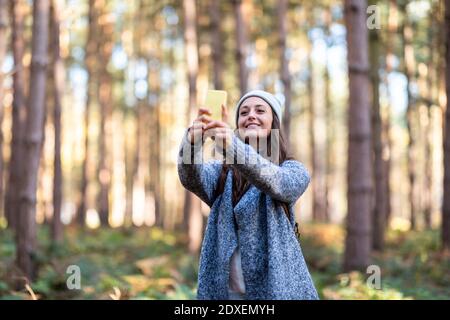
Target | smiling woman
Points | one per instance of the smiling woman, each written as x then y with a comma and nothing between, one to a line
250,249
255,117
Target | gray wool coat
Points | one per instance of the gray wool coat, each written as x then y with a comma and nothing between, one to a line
272,261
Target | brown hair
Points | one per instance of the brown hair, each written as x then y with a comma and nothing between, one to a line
240,184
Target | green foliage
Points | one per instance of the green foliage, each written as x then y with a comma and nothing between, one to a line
149,263
412,267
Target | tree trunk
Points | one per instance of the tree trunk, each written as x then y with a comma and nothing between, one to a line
392,30
329,124
241,45
18,115
433,49
217,44
379,209
90,63
409,62
156,183
58,82
129,172
446,140
192,209
3,46
317,171
105,102
284,67
359,167
26,235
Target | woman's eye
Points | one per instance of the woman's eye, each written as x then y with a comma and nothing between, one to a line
243,113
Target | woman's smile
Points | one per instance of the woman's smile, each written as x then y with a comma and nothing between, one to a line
252,126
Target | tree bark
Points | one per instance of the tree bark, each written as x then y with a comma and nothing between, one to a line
105,101
284,67
26,242
329,123
319,213
90,63
409,62
359,167
3,46
156,183
379,209
433,49
446,140
217,44
192,210
18,115
241,45
386,126
58,82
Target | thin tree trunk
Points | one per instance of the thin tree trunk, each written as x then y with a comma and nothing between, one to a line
3,46
392,30
217,45
105,102
26,242
329,124
58,82
129,172
446,139
241,45
138,174
118,198
90,63
317,209
409,62
18,115
192,210
434,43
156,184
317,171
284,67
379,209
359,167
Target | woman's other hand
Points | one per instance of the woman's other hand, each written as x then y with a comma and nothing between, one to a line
197,129
220,131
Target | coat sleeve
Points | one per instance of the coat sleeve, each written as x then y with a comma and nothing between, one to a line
198,177
284,183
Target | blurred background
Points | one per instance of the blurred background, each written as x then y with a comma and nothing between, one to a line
96,95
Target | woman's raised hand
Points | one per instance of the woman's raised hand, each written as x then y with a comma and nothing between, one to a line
220,131
197,128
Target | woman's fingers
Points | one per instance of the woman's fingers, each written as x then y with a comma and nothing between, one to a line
196,131
198,125
218,134
202,110
203,118
215,124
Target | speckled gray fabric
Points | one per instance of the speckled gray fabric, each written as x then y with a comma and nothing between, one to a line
272,261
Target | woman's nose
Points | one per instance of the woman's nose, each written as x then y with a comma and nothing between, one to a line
251,115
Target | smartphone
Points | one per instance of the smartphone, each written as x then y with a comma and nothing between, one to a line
214,101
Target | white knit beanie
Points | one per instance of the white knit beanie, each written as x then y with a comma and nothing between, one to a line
273,102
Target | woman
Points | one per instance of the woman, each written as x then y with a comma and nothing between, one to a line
250,250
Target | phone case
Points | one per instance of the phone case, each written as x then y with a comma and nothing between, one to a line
214,100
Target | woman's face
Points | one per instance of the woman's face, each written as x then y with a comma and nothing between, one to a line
255,117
